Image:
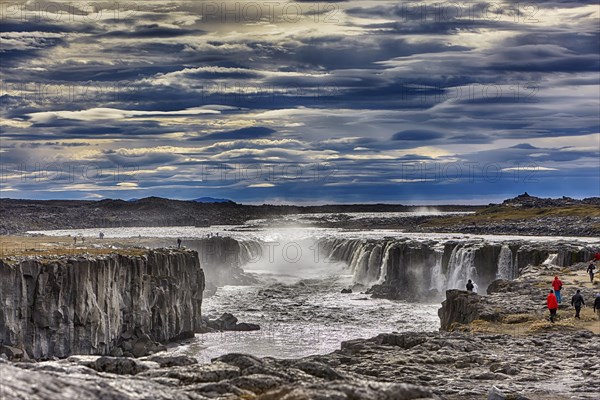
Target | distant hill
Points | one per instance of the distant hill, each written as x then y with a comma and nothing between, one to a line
525,200
211,200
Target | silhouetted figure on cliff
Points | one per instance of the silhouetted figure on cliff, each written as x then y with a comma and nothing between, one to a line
178,243
470,286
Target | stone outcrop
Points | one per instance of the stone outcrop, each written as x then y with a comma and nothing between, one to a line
503,298
461,307
114,304
227,322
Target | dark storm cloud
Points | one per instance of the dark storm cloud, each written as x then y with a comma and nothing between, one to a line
243,133
380,88
416,135
154,31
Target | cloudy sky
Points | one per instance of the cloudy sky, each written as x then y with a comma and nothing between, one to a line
300,101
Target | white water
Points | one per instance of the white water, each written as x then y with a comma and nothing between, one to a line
438,279
304,318
261,233
551,260
461,267
505,264
300,307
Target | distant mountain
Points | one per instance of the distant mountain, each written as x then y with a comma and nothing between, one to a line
211,200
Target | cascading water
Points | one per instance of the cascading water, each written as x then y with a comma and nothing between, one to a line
414,268
384,263
551,260
461,267
505,264
289,260
438,279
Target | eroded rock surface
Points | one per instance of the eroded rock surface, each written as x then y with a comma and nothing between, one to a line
412,365
115,304
232,376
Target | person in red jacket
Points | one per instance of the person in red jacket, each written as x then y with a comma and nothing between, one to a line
552,305
557,286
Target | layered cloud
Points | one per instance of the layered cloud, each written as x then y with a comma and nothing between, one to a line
346,101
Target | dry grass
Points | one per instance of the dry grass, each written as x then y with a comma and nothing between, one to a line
519,318
527,324
547,326
503,213
53,247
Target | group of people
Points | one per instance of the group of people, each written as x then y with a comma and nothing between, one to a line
577,301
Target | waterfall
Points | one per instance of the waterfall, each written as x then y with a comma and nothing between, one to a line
250,251
505,264
438,279
461,267
410,265
551,260
384,262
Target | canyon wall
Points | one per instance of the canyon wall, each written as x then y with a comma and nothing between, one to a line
114,304
422,270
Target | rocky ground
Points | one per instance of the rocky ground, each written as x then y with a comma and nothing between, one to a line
522,215
446,365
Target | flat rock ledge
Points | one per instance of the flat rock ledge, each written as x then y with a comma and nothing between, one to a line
233,376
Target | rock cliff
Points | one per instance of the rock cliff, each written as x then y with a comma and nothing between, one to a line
420,270
114,304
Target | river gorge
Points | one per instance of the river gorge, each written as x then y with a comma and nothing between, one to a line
311,290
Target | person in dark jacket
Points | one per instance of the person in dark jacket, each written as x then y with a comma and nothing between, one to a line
178,243
597,305
590,271
577,302
552,305
470,286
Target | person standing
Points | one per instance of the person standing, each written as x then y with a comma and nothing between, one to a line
577,302
552,305
597,305
470,286
557,286
590,271
178,243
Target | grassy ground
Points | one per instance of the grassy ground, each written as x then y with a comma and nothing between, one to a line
525,324
503,213
46,246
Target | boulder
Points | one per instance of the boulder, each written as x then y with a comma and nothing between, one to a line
118,365
496,394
